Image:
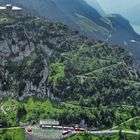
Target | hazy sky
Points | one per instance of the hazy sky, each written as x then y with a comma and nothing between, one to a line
115,6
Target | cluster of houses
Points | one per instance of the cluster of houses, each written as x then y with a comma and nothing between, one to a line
53,124
56,125
49,124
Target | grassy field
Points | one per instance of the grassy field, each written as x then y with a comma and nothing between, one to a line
13,134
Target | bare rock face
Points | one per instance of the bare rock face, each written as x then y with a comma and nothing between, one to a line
33,90
15,85
18,52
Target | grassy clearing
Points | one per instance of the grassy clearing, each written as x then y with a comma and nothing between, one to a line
13,134
43,109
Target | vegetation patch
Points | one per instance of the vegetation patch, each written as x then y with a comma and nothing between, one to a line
132,124
113,137
12,134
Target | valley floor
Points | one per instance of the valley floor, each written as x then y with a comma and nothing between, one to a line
12,110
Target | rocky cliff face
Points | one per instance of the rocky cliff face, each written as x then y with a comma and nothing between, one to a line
18,52
44,59
26,45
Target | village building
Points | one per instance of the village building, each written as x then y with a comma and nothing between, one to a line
11,9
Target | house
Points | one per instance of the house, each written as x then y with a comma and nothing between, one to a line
48,123
11,9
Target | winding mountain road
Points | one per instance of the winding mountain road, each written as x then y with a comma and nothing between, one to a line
137,117
103,133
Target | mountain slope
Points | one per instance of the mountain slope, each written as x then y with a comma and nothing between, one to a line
87,19
114,29
84,79
96,5
122,28
37,56
84,18
38,7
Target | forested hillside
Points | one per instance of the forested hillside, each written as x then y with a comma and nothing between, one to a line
83,78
